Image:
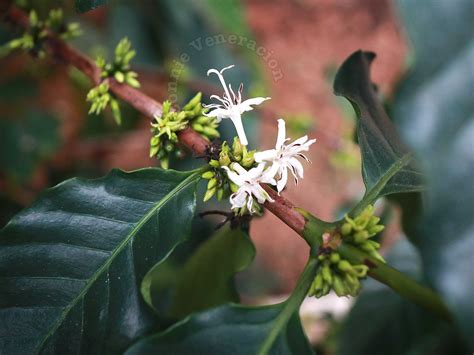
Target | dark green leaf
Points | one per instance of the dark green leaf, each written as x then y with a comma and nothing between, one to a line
383,322
71,265
230,329
387,165
436,114
206,279
87,5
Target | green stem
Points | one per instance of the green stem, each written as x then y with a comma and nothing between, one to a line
403,285
291,305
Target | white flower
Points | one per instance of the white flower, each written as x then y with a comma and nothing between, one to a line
284,157
248,182
232,107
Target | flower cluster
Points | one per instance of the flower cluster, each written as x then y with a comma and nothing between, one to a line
32,40
120,67
359,230
221,156
337,274
99,96
271,166
165,127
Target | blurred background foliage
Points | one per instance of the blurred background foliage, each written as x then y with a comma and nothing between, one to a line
46,136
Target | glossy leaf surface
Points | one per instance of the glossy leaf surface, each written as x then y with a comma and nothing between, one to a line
71,265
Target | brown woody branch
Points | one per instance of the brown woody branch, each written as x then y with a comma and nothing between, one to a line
149,107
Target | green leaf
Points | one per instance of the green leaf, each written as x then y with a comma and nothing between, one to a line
87,5
229,329
387,165
206,279
382,321
234,329
436,114
71,265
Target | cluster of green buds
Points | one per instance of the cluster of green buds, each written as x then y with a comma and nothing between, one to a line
219,184
337,274
164,134
358,231
206,126
99,96
32,39
120,67
165,127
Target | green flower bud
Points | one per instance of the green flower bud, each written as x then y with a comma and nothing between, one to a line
209,194
368,247
212,183
326,273
203,120
351,280
220,193
195,101
361,270
317,282
208,175
339,286
130,79
248,159
224,159
114,106
165,162
214,163
374,220
153,151
237,148
233,187
374,244
166,107
119,76
197,127
345,266
346,229
211,132
376,229
361,236
334,258
155,140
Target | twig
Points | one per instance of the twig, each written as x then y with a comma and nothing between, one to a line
149,107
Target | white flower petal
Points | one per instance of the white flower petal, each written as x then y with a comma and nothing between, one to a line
266,155
246,105
260,194
256,173
281,183
298,142
240,170
228,67
234,177
237,121
238,199
298,168
268,175
250,205
220,113
281,134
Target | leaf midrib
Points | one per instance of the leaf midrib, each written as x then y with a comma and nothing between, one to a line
182,185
